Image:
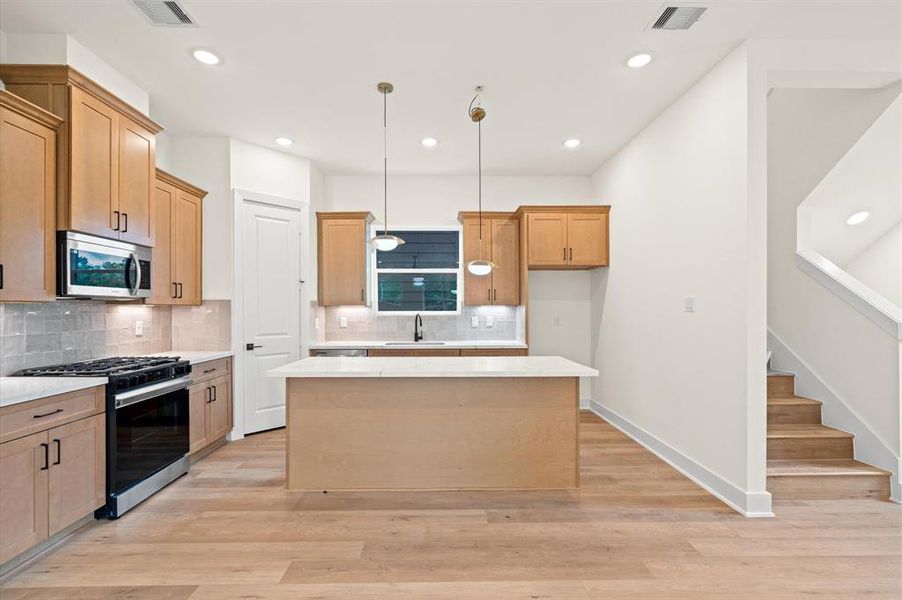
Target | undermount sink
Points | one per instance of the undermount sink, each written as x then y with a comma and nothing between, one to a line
414,343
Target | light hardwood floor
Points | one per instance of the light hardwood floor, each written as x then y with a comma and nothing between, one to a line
637,530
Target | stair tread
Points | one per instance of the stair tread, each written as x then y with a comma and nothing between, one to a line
820,467
805,431
792,400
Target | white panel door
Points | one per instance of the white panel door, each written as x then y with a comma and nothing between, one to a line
272,258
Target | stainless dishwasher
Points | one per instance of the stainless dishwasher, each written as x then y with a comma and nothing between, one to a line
337,352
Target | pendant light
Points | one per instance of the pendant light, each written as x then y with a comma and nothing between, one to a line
479,267
385,242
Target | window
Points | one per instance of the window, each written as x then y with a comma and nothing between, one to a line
421,275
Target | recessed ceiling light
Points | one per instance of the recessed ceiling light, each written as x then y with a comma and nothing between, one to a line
429,142
858,218
572,143
639,60
207,57
284,141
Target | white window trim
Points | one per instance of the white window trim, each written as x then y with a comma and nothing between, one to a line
374,272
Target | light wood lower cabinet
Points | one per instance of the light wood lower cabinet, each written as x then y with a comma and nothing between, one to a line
27,201
209,404
494,352
49,479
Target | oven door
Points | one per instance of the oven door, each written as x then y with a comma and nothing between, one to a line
96,267
148,431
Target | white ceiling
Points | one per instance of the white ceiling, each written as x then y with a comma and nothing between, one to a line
308,70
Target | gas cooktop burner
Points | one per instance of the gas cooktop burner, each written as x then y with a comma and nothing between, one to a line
101,366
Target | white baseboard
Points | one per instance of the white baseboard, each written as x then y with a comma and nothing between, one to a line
837,413
749,504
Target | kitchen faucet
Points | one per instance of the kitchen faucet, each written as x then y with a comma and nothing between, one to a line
417,328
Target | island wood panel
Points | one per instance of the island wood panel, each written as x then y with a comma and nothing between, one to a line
432,433
27,201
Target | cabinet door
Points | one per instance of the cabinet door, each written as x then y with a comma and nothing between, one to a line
547,239
587,239
198,398
137,159
506,256
219,417
477,289
27,209
23,494
162,282
93,165
77,471
342,262
186,246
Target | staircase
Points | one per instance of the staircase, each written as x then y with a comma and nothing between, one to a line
807,460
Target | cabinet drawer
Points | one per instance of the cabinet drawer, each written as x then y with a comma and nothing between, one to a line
494,352
26,418
210,369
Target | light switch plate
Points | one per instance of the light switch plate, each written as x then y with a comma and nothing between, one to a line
139,328
689,305
489,322
474,322
343,322
316,323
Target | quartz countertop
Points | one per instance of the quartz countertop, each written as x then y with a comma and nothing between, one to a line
440,366
196,356
429,344
14,390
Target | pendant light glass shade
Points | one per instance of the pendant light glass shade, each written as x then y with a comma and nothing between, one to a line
385,242
479,267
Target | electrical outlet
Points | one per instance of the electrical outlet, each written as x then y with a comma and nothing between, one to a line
139,328
316,323
474,322
343,322
488,321
689,305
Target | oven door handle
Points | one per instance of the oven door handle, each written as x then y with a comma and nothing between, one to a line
151,391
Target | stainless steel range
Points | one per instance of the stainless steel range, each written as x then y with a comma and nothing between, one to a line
147,423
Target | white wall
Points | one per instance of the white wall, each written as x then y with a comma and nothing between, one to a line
879,266
681,225
60,49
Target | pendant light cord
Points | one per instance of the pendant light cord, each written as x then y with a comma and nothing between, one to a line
479,177
385,159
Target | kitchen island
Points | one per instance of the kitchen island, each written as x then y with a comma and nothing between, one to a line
432,423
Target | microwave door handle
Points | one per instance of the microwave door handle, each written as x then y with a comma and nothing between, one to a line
134,257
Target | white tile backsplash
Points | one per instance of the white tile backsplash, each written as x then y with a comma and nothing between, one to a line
365,325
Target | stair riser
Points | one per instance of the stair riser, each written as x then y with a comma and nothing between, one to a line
780,385
794,415
809,448
829,487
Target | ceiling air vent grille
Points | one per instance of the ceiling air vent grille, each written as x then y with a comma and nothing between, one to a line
678,17
164,12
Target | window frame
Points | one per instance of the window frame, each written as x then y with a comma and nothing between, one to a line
375,271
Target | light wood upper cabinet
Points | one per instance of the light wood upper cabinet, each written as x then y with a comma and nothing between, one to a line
137,158
77,482
566,237
93,202
106,154
342,258
501,245
27,201
23,494
177,276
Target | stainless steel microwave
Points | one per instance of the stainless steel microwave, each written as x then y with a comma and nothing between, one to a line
95,267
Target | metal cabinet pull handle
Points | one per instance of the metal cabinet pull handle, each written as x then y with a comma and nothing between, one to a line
126,222
175,290
209,370
46,448
116,212
178,287
59,451
571,254
1,277
565,254
362,297
59,410
215,395
209,394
